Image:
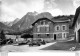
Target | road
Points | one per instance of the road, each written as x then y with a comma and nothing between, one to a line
22,48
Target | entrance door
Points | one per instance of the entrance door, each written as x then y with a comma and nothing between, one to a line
54,36
79,35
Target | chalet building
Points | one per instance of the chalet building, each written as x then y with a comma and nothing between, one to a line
76,24
47,29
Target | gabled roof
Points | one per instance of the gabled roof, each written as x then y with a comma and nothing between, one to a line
62,19
76,16
42,19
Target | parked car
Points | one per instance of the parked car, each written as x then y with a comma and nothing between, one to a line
34,43
24,42
43,42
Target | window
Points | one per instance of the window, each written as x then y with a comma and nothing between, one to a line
58,35
64,35
47,29
44,22
38,29
64,27
47,34
38,35
41,22
57,28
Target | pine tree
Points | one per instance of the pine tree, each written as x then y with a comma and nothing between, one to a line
2,35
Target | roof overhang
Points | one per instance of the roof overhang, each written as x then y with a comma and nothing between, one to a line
41,19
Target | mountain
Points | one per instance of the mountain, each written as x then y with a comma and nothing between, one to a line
4,27
26,21
44,14
12,22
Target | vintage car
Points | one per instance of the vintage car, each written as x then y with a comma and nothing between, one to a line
42,42
34,43
37,42
24,42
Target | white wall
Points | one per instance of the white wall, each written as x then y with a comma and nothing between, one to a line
77,27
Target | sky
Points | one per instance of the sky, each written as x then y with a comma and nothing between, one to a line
12,9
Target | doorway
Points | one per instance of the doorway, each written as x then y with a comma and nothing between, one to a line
79,35
54,36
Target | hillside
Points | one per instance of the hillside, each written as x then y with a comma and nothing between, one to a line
12,22
26,21
5,27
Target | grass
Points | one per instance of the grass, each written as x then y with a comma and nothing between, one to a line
63,46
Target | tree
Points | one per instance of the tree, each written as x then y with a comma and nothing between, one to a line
2,35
